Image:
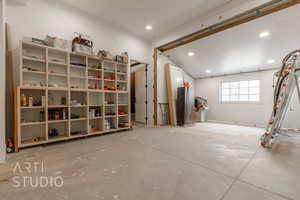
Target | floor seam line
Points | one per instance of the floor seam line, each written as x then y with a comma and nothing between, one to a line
264,189
237,178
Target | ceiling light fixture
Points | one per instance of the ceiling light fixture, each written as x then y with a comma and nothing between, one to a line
271,61
148,28
191,54
264,34
208,71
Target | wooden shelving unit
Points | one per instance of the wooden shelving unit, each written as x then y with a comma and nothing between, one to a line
71,96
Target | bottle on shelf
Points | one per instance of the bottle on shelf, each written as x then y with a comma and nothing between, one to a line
23,100
30,101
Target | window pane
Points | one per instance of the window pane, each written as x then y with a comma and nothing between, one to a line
244,91
225,85
234,98
254,83
244,98
225,98
234,84
240,91
225,92
254,98
244,84
234,91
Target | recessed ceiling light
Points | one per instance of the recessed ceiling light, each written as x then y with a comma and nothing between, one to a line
208,71
271,61
148,28
264,34
191,54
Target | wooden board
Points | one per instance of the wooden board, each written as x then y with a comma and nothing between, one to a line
171,103
11,127
247,16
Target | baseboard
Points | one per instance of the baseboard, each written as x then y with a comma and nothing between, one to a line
250,125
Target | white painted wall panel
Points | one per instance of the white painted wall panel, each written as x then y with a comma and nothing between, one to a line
244,113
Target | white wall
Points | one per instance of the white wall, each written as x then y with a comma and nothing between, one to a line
41,17
250,114
2,83
178,78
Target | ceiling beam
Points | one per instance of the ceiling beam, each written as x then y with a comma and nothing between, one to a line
250,15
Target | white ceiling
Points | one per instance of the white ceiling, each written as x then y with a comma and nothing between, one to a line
134,15
240,49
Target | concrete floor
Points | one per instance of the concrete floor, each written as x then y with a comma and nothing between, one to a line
208,161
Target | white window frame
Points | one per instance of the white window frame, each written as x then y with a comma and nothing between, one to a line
238,101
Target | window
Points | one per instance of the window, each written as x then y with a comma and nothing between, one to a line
240,91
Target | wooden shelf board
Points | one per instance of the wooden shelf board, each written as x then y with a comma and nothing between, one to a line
96,105
79,135
109,80
110,91
96,79
34,44
57,89
96,133
58,106
80,106
78,77
122,92
110,116
25,144
78,90
79,119
123,115
125,128
94,90
33,59
78,66
33,123
57,74
94,69
123,105
93,118
33,107
32,88
57,121
58,138
110,105
58,64
58,50
34,72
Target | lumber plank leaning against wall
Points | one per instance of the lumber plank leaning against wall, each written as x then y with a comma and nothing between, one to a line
2,82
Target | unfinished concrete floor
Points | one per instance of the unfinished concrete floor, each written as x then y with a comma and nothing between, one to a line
208,161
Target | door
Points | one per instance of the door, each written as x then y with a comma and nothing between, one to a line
140,95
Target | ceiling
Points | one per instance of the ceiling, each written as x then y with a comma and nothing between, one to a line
241,49
134,15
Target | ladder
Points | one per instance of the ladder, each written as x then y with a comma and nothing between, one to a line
287,83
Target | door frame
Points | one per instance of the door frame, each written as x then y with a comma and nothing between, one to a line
134,63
